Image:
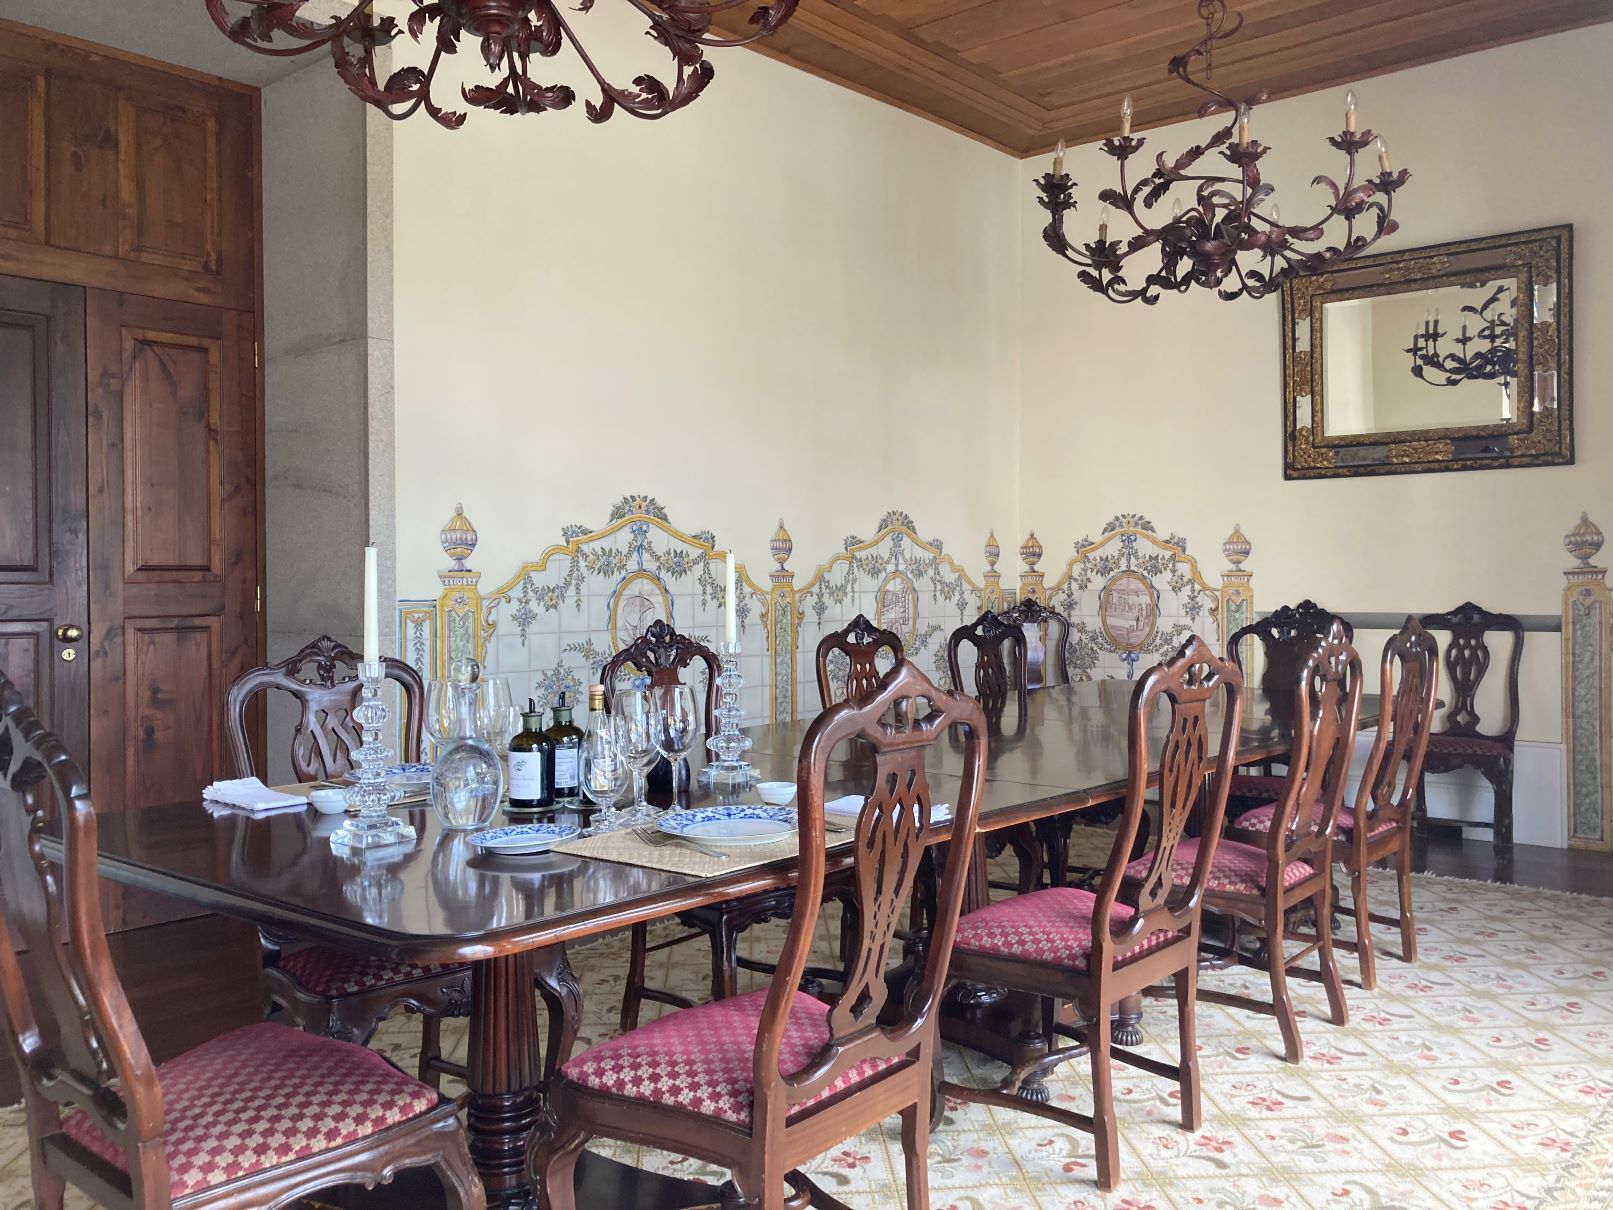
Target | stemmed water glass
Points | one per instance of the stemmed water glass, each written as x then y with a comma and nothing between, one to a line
496,716
602,774
439,714
676,722
634,717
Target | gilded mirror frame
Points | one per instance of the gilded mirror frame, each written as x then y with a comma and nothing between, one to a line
1540,259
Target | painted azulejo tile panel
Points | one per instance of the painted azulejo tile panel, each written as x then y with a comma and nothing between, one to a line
1132,598
901,582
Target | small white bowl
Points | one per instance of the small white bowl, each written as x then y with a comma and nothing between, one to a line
328,802
776,793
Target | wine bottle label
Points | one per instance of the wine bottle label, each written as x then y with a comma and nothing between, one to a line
526,777
565,771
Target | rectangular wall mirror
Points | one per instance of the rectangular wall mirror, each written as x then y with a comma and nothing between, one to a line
1453,357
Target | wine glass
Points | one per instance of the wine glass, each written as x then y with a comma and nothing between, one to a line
440,721
602,775
677,726
496,716
635,737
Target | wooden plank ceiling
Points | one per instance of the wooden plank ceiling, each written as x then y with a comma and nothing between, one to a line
1021,74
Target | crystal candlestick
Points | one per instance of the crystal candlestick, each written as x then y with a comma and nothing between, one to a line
370,794
729,770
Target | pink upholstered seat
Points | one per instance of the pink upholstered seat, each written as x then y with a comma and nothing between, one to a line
1259,820
702,1059
1467,745
265,1095
328,971
1054,925
1238,869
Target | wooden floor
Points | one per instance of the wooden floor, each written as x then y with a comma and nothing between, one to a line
195,979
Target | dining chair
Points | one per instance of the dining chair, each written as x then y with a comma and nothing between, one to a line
1052,630
1460,743
1279,857
1385,800
1286,637
325,988
859,644
663,654
261,1116
993,679
763,1082
1067,944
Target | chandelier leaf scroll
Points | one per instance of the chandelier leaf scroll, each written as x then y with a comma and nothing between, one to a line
1226,237
508,34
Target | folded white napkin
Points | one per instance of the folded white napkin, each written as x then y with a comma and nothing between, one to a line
250,794
851,804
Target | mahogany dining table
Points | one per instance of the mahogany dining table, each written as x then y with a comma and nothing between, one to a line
511,919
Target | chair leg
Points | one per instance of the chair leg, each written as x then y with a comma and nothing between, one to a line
1325,955
1502,840
552,1169
50,1190
1363,929
1408,918
915,1150
1187,984
1104,1139
1282,1004
632,996
724,961
430,1049
1419,810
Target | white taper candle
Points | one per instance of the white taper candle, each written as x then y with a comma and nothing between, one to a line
372,609
731,614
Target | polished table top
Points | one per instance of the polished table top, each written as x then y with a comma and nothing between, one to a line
443,901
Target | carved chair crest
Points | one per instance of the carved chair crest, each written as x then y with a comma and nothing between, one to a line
1286,637
1055,628
856,650
323,678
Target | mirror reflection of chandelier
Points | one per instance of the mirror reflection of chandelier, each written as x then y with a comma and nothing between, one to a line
504,34
1485,351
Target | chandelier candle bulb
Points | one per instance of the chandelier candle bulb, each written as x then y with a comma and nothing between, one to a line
1243,126
1103,226
1383,157
1058,159
1349,111
1125,117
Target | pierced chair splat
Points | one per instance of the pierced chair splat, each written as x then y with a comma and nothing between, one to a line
993,679
1286,637
1064,944
259,1117
858,647
764,1082
324,988
1460,743
1052,633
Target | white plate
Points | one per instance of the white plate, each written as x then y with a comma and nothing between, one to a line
523,838
747,824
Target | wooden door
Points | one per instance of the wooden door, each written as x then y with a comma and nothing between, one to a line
173,460
42,502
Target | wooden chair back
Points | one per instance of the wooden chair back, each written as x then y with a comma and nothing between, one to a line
1054,631
1327,712
988,635
897,724
860,643
1467,660
323,678
1194,778
70,1028
662,654
1409,688
1287,636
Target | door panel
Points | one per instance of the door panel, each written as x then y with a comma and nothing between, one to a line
166,218
171,687
22,151
42,500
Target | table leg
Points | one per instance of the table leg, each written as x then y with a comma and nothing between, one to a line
505,1100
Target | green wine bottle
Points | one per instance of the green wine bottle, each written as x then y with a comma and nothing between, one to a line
566,738
531,764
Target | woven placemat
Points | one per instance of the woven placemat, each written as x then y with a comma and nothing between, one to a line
628,849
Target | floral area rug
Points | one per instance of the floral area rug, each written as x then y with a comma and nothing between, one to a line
1480,1078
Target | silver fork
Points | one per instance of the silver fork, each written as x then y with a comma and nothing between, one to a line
657,839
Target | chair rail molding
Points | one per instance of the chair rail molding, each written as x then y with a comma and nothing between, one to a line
1587,646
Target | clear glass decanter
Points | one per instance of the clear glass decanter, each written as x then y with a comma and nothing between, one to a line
467,781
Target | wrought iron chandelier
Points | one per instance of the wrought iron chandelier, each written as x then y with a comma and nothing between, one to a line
1227,239
1495,358
508,34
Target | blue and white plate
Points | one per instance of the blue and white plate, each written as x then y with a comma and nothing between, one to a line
524,838
738,825
408,777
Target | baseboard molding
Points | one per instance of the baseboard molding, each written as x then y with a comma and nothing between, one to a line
1539,793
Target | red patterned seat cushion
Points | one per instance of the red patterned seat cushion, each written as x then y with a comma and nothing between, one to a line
1239,869
1466,745
1259,820
702,1059
328,970
1053,925
265,1095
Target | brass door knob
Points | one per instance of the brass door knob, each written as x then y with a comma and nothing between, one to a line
70,633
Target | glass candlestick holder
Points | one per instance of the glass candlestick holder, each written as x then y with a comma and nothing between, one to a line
370,794
729,770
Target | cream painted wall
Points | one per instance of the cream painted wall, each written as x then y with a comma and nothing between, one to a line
785,300
1504,140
